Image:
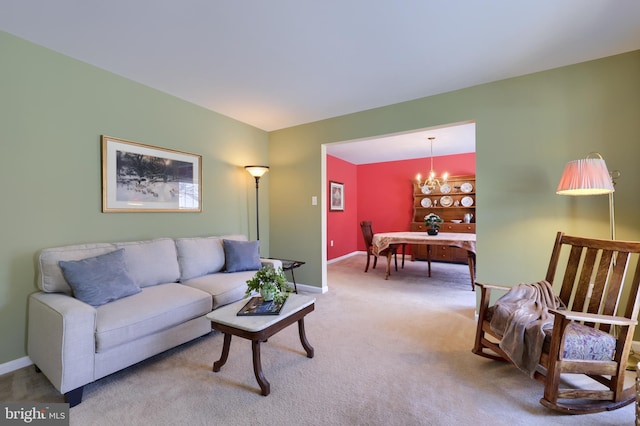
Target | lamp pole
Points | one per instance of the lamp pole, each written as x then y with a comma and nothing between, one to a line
257,209
257,172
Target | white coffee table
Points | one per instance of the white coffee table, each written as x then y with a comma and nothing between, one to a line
258,328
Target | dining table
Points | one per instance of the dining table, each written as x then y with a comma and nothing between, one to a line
464,241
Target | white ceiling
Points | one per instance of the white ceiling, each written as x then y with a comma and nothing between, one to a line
456,138
279,63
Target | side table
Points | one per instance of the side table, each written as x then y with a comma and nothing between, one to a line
290,265
258,329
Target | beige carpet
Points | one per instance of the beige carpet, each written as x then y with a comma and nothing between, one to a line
394,352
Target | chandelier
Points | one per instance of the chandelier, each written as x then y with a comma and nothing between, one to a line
432,182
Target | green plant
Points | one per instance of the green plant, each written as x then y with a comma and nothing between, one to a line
433,221
269,280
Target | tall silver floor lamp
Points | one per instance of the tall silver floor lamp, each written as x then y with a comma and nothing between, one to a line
257,172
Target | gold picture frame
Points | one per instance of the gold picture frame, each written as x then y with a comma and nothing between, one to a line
144,178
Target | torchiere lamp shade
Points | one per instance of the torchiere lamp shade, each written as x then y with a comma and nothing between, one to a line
257,171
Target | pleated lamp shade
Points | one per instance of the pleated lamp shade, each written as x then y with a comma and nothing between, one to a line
588,176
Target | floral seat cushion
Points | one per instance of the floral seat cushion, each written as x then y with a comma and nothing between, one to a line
584,343
581,342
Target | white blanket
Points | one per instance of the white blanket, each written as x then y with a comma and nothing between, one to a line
520,317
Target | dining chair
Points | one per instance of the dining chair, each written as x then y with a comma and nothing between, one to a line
367,233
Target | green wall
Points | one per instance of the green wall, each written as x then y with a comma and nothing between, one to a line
527,129
53,110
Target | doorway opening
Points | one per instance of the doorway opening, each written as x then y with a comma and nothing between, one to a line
376,175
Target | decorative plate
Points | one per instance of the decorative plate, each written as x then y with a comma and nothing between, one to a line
467,201
466,187
425,202
446,201
445,188
425,190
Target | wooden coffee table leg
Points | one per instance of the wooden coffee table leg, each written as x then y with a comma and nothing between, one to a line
303,339
225,353
257,368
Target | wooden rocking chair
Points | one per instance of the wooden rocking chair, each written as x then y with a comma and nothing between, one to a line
591,290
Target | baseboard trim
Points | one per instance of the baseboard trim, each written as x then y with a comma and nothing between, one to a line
14,365
309,288
337,259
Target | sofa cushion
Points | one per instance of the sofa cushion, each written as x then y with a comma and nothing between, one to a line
151,262
100,279
50,277
199,256
154,309
241,255
224,288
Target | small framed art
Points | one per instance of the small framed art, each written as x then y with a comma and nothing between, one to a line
144,178
337,196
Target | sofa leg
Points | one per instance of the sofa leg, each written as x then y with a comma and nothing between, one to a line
74,397
37,369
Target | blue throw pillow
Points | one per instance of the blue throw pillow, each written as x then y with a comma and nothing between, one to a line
99,280
242,255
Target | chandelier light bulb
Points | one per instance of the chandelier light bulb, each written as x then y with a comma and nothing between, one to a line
432,182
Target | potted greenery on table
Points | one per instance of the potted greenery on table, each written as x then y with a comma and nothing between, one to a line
432,221
271,283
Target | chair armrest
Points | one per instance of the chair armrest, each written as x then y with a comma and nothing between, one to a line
485,297
597,318
276,263
493,286
61,339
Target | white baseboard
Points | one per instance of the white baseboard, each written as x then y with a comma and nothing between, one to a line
309,288
14,365
337,259
314,289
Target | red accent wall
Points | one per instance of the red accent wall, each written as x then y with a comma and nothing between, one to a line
340,224
383,195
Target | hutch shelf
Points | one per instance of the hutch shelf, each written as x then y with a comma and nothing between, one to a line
451,202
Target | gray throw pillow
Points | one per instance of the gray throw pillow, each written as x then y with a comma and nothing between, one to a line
241,255
99,280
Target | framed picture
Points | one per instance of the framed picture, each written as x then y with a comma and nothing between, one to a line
337,197
144,178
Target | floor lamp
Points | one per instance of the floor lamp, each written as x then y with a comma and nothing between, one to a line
257,172
590,176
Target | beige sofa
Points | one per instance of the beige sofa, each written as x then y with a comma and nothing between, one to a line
177,282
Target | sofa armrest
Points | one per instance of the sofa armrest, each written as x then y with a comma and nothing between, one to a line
276,263
61,339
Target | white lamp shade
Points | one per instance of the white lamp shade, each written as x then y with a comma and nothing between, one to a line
588,176
257,171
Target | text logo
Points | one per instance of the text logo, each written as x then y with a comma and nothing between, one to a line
34,414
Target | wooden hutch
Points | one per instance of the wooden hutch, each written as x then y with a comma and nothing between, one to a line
451,202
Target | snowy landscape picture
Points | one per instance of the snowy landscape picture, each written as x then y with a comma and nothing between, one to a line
139,177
